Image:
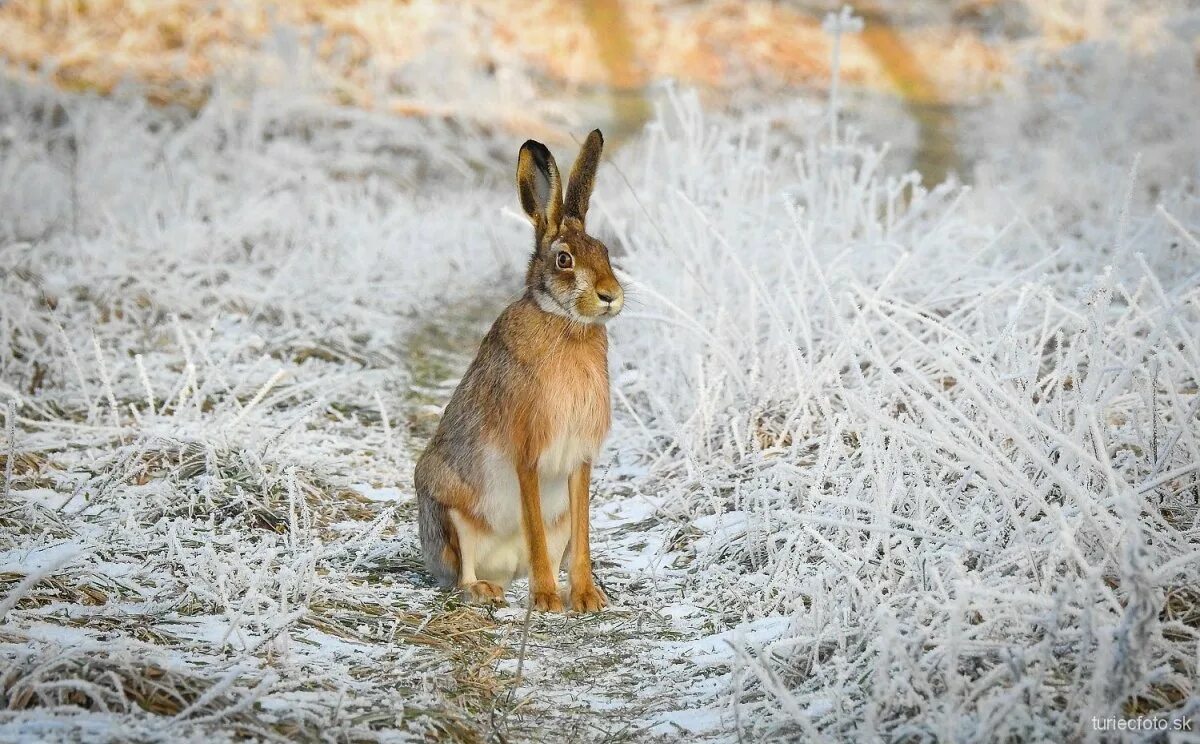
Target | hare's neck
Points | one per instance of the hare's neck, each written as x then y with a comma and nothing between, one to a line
547,304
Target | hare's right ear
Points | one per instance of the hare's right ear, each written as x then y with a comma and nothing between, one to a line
539,185
583,177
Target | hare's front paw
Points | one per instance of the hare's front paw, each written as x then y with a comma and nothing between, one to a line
547,601
485,593
587,598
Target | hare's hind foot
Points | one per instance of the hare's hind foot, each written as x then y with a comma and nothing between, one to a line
484,593
587,598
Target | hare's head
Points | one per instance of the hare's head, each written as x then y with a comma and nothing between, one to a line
569,273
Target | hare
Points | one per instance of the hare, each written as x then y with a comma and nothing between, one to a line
502,488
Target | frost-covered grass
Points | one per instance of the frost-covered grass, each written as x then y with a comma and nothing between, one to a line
203,327
885,463
956,457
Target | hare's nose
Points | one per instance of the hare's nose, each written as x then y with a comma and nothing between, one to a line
606,296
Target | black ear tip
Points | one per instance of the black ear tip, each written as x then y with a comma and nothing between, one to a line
598,135
540,153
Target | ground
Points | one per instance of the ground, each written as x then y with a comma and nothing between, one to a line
887,463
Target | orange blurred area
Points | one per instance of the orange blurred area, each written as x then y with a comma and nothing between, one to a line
175,48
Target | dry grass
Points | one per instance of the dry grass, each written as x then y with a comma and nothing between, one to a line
68,588
230,491
143,671
121,682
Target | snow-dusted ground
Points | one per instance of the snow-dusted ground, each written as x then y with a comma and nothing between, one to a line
885,464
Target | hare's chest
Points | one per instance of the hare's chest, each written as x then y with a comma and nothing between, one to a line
575,413
567,452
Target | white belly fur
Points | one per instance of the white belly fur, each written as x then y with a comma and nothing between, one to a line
502,556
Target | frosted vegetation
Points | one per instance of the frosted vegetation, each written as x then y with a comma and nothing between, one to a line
885,462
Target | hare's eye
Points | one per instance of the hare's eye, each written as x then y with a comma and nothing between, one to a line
564,260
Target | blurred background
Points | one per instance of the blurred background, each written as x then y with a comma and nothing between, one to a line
547,68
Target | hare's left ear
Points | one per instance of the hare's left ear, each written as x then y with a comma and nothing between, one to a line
539,186
583,177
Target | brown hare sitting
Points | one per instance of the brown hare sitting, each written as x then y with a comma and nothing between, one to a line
502,488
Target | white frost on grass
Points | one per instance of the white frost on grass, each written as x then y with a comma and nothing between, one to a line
885,463
955,446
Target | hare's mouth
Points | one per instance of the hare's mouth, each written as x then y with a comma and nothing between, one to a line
598,315
610,311
598,311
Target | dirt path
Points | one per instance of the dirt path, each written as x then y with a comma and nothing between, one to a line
610,676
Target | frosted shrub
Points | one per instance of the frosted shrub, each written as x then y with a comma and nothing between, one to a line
960,463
